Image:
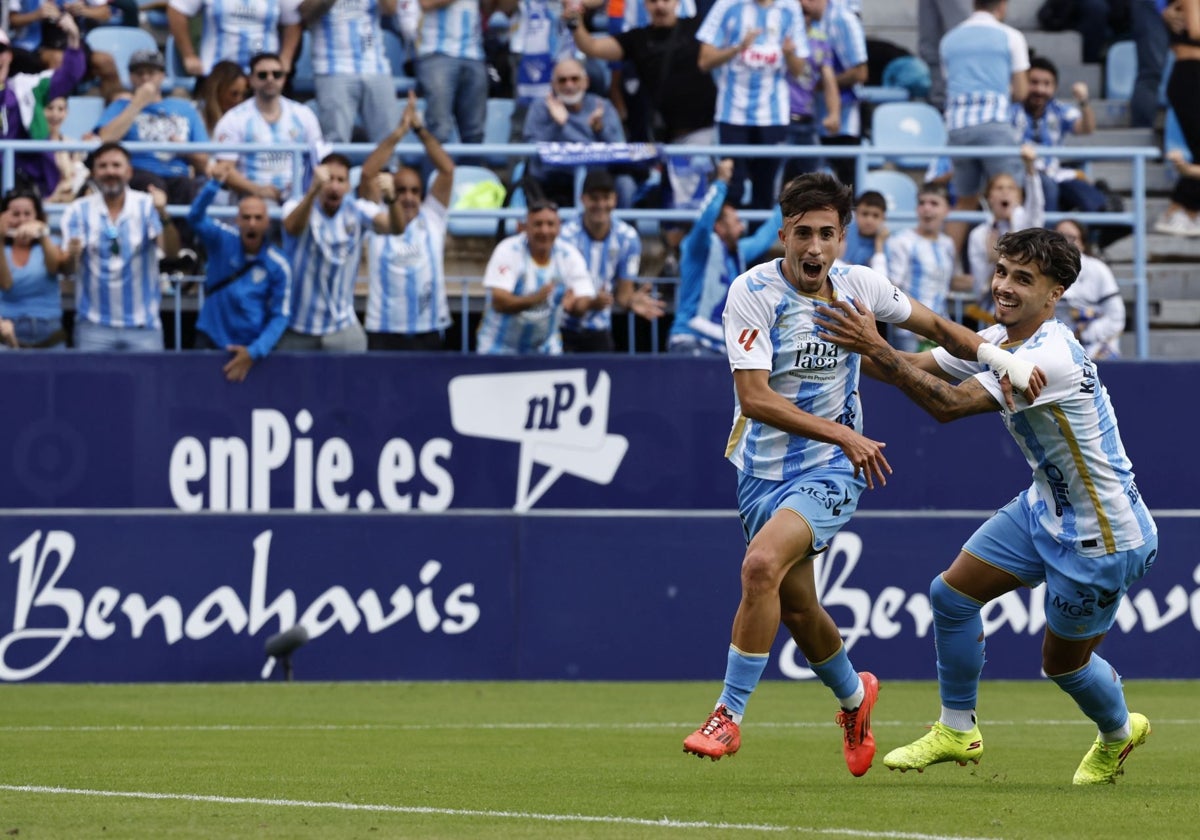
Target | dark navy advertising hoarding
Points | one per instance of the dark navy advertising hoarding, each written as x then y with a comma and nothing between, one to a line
399,432
110,597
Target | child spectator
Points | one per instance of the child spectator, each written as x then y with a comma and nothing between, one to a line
1010,210
867,233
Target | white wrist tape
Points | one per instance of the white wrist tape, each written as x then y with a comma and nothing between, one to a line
1002,362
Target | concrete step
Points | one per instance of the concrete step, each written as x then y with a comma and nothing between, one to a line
1164,281
894,13
1165,344
1174,313
1065,49
1110,113
1123,136
1119,175
1160,247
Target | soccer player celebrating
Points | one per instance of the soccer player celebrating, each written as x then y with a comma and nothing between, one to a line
1082,526
801,456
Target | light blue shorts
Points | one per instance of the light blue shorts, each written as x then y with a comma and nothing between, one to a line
1082,593
825,498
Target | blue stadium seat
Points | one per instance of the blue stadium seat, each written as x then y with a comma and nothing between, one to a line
497,127
120,42
83,112
898,189
177,77
1120,70
466,177
907,124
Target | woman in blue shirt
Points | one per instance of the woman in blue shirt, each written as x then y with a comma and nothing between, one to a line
32,300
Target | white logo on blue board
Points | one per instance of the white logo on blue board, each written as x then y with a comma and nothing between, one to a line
559,423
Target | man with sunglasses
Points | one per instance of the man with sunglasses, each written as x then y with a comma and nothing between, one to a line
269,118
531,280
113,237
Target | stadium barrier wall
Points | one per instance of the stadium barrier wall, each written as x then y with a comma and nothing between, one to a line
566,518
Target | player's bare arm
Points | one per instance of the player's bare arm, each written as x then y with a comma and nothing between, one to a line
759,402
854,329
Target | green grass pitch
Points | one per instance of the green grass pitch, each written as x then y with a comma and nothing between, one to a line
563,760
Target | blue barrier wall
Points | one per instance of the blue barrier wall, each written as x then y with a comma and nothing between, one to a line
445,432
625,538
133,597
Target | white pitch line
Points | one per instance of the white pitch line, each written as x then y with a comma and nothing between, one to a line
665,822
426,727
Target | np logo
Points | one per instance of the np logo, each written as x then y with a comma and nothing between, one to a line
559,423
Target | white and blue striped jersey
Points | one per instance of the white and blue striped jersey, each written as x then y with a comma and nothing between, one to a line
769,326
407,276
616,257
325,260
452,30
923,268
244,123
1083,490
513,269
752,88
346,41
235,30
979,58
844,30
117,283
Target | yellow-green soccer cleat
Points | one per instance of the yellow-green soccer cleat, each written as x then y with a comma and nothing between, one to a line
940,743
1104,762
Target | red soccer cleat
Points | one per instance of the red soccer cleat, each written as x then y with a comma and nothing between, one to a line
859,746
719,736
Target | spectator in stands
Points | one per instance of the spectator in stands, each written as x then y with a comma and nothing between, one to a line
844,32
247,279
23,98
113,237
538,38
224,88
817,84
1092,306
867,233
29,291
532,280
72,171
934,19
351,73
985,62
680,98
713,253
451,69
1183,19
43,40
323,236
612,251
569,114
753,47
1150,38
269,118
235,30
147,116
922,262
407,304
1009,209
1044,121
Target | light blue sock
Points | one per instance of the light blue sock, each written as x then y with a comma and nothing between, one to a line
958,639
742,673
837,674
1096,687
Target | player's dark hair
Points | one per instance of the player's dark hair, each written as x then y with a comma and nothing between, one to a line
1040,62
263,56
871,198
1047,250
110,146
817,191
339,158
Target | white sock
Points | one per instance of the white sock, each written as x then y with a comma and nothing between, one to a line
736,717
961,720
1117,735
854,700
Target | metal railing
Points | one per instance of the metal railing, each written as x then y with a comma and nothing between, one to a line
1134,217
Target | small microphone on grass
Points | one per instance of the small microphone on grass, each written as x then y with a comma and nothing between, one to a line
280,647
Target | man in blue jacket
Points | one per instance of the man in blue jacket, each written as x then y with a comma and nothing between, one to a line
248,281
712,254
